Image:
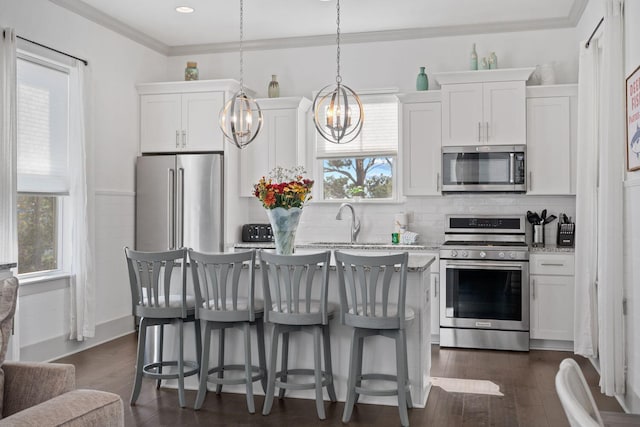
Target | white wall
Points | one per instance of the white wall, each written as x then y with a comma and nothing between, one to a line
116,65
386,64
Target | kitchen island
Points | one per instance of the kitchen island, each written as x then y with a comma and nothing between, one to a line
379,353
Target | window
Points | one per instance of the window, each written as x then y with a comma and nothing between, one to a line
365,167
43,134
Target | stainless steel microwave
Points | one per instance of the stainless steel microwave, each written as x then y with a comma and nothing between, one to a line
484,168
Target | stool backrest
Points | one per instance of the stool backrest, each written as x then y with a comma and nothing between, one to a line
151,278
218,288
293,291
575,396
372,292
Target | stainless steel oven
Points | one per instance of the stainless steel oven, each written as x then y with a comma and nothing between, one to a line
480,168
484,283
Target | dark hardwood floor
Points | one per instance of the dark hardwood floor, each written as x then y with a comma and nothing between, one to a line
525,379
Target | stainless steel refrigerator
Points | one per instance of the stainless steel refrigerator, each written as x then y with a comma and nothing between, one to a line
179,202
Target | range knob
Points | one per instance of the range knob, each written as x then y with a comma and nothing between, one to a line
512,255
483,254
501,254
464,254
454,253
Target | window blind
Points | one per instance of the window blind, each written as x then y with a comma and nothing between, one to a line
379,134
43,128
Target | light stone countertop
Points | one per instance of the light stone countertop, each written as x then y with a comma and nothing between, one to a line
7,265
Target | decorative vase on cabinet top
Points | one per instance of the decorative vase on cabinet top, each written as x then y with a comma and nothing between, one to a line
274,87
191,72
493,61
422,82
474,58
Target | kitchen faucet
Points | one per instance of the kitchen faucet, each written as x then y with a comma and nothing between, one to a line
355,223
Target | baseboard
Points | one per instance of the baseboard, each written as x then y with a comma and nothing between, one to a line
55,348
555,345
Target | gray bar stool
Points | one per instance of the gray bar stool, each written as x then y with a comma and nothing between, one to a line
224,301
374,304
151,275
294,301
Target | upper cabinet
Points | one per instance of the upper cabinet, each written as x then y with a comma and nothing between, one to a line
551,139
484,107
277,144
421,138
183,116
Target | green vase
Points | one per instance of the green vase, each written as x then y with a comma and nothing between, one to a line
284,223
422,82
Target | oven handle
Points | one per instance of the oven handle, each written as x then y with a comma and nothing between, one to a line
485,265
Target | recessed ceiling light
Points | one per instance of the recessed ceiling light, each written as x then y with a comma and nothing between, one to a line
184,9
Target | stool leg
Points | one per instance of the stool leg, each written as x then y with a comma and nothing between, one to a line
284,362
247,367
142,337
198,331
181,364
401,375
220,359
327,363
317,370
358,370
351,379
204,368
271,383
160,350
261,354
406,367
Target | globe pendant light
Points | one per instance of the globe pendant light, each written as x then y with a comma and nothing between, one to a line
337,110
241,117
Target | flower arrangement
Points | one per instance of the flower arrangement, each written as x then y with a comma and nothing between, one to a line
284,188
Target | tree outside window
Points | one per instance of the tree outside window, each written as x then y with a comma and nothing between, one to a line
366,177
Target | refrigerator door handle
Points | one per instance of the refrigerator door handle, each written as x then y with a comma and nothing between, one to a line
171,224
180,208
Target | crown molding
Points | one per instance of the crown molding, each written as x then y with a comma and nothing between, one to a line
102,19
106,21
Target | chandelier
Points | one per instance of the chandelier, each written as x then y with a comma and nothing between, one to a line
337,110
241,117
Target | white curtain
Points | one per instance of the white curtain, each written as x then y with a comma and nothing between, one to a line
586,307
8,147
610,203
81,200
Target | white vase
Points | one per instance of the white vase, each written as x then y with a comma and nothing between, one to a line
284,223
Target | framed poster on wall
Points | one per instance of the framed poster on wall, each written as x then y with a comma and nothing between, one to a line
633,120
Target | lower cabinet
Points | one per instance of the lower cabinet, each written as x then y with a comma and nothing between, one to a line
552,296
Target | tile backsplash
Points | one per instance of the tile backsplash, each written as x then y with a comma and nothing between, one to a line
426,215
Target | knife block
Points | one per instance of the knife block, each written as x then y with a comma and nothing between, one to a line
566,234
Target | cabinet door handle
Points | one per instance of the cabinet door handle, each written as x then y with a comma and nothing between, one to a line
530,179
533,288
184,138
177,139
438,181
479,131
553,264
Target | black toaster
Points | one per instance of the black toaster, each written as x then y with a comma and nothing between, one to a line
257,233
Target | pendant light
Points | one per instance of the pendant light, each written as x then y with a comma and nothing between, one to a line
337,110
241,117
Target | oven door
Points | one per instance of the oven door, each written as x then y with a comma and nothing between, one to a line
484,295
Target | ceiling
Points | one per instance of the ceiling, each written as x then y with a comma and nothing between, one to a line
214,26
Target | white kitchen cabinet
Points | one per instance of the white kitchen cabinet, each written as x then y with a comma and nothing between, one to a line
484,107
182,116
551,139
552,296
421,143
279,143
